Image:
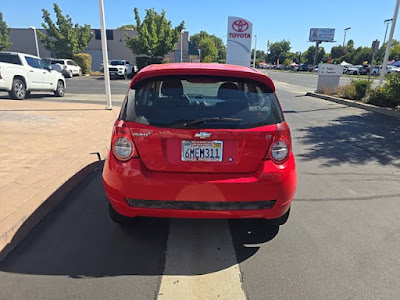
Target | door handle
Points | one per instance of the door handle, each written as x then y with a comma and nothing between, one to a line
44,73
31,71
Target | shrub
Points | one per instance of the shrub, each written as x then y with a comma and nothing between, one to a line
84,60
355,90
389,94
361,86
347,91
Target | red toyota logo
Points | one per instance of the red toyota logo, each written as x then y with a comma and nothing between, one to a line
240,25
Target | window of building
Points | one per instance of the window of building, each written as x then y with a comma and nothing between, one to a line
109,34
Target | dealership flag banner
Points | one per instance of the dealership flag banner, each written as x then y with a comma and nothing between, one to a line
239,36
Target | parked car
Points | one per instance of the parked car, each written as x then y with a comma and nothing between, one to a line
102,66
303,67
69,68
389,70
22,73
121,68
312,68
357,70
200,140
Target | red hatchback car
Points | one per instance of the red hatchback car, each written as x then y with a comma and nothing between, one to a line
200,141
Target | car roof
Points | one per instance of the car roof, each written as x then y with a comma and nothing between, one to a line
16,53
210,69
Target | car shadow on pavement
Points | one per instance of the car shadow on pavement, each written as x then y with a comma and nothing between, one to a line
355,139
78,239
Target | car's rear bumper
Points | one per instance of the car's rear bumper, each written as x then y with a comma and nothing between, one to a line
4,86
266,193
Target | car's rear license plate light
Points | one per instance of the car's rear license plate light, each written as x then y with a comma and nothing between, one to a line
204,151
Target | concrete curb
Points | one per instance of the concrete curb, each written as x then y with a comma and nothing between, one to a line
45,200
357,104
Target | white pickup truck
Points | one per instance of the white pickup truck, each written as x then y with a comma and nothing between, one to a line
121,68
22,73
389,70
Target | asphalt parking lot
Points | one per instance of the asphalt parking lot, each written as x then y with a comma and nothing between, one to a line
95,85
341,241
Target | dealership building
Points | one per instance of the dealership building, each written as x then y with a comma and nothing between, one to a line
23,40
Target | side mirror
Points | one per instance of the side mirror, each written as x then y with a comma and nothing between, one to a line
49,68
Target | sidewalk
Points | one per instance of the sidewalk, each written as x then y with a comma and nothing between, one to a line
45,142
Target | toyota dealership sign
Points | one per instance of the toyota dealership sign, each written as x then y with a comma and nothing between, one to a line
238,50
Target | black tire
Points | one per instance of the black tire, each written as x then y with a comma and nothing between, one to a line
118,218
18,90
281,220
354,73
60,91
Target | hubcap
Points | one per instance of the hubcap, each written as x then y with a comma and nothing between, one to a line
19,90
60,88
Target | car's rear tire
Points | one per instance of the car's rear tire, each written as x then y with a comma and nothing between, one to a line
18,90
118,218
279,221
60,91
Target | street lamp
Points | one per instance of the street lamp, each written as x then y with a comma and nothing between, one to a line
387,22
345,31
181,46
389,44
299,53
105,55
36,41
255,49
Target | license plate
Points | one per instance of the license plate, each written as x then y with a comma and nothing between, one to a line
112,73
207,151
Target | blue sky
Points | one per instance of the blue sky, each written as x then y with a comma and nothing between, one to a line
272,20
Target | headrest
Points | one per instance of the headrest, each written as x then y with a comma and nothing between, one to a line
228,90
172,87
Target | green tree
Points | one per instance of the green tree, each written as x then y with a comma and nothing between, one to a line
310,52
395,52
208,49
63,38
156,37
278,50
197,38
4,33
127,27
359,55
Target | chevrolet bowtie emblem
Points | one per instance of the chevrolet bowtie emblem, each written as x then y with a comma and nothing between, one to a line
202,135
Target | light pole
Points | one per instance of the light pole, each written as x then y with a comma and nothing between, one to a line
387,22
389,44
255,51
181,46
36,41
299,53
345,31
105,55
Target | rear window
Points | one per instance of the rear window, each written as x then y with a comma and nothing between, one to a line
10,59
202,102
61,62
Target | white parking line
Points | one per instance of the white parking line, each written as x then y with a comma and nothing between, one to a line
200,262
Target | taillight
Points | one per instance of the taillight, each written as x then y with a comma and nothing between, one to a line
281,145
122,144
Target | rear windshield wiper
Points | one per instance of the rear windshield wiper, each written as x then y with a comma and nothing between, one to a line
206,120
